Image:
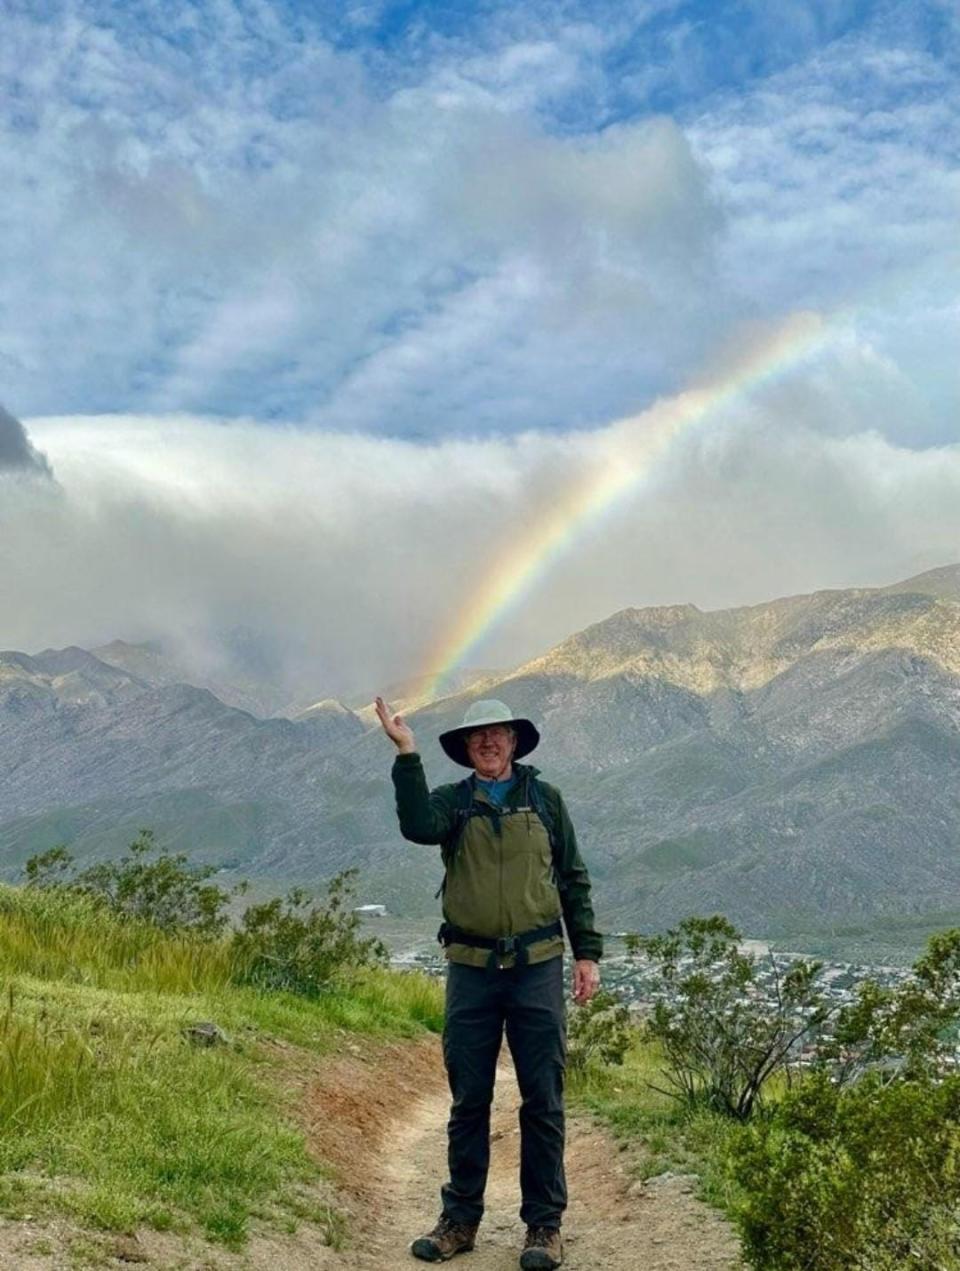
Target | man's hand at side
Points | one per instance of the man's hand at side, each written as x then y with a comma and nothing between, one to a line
586,980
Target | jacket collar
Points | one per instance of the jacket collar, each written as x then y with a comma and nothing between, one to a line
521,771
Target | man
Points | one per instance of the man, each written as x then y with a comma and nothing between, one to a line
512,870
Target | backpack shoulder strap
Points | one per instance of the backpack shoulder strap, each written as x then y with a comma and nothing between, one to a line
461,814
537,798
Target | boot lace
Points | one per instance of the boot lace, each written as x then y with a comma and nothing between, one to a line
447,1225
539,1237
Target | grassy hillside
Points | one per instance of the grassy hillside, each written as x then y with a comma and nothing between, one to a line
110,1114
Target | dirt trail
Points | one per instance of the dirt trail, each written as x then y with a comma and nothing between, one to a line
612,1223
378,1116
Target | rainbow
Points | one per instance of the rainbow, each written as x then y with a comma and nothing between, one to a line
624,454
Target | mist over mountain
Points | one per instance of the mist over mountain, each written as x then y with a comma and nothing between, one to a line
793,764
150,661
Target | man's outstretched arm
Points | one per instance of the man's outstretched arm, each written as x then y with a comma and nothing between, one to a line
423,817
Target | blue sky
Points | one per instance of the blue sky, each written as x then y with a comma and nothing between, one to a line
411,219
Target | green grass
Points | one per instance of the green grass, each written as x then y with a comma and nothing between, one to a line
668,1135
60,936
108,1113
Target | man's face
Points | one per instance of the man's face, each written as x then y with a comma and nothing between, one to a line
490,749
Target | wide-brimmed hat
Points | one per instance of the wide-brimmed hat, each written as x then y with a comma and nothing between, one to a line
480,715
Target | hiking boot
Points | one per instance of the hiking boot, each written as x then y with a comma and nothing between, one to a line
446,1239
542,1249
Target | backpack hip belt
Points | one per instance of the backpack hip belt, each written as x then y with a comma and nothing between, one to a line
499,946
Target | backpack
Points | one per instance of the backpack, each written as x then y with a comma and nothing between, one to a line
535,800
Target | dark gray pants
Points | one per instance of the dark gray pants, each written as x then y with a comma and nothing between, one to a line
529,1004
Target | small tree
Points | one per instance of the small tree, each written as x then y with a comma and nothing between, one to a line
49,869
723,1034
906,1032
166,891
300,944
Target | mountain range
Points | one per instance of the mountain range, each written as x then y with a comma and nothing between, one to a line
794,764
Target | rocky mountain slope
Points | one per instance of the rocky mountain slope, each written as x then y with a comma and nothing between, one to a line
793,764
90,752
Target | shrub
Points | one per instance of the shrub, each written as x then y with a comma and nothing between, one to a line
911,1030
723,1034
858,1166
865,1178
167,891
292,943
854,1165
300,945
599,1031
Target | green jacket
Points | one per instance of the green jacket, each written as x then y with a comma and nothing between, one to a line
428,816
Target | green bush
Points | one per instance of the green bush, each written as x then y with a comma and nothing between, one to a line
724,1036
865,1178
858,1166
167,891
600,1031
300,945
912,1027
294,943
848,1162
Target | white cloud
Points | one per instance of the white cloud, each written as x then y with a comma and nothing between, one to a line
232,208
270,227
840,186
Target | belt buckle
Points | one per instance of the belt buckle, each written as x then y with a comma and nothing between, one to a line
506,944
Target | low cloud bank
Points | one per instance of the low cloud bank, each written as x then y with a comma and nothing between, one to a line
338,558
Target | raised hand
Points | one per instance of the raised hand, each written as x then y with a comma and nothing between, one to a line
396,728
